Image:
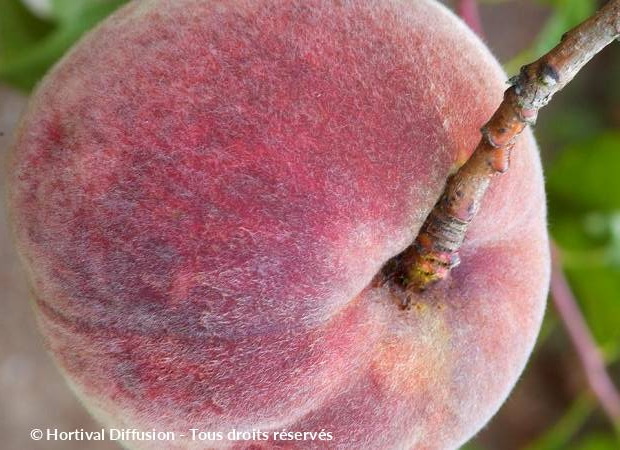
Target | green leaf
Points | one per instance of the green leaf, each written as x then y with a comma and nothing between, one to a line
584,217
19,29
586,175
566,15
590,245
25,69
597,290
71,11
598,441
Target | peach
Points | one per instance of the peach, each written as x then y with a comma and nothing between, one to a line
205,193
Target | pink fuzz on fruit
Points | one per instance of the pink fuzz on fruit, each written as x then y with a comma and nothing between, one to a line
203,191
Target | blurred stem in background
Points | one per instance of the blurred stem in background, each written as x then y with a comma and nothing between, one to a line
601,384
568,13
468,11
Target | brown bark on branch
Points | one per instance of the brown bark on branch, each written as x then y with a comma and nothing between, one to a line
435,250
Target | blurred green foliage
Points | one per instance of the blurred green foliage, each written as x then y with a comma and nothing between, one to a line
559,436
584,198
583,180
565,15
583,188
30,45
596,441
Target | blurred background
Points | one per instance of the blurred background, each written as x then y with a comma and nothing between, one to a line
552,407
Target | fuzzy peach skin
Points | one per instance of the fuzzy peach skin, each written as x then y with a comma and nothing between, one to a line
204,190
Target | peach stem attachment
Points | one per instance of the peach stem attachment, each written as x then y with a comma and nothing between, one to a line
435,251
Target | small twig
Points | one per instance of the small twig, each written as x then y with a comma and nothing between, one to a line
435,250
468,11
601,384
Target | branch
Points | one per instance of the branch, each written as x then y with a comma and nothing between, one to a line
435,250
577,329
468,11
